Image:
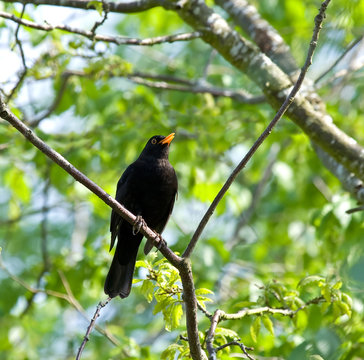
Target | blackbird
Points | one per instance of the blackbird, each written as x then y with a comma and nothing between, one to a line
147,188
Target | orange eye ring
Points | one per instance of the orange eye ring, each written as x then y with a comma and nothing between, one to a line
154,141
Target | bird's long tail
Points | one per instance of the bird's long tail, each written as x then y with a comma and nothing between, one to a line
120,276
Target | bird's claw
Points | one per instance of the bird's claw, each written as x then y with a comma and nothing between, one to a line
159,241
138,224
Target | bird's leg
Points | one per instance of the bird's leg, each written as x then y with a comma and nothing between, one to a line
138,224
159,241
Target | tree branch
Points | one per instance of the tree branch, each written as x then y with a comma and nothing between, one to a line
91,326
240,96
117,7
273,81
288,101
25,68
118,40
337,61
67,297
269,41
183,265
243,348
7,115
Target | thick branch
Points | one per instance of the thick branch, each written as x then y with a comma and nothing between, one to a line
189,297
287,102
273,81
269,41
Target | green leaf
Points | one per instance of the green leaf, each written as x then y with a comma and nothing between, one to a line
172,316
170,352
301,320
176,315
326,292
316,357
162,303
311,280
255,329
338,285
203,291
97,5
147,289
14,178
268,324
231,334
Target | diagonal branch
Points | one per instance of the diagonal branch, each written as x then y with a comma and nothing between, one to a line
25,68
7,115
275,84
183,265
337,61
288,101
67,297
269,41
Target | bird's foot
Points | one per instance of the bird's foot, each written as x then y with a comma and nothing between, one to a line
138,224
159,241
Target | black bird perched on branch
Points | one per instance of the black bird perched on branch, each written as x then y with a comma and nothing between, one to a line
148,189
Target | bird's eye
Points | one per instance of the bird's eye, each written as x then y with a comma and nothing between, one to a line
154,141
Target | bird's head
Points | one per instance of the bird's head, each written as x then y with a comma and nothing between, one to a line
158,146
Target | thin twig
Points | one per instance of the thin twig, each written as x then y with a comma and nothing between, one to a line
91,326
237,95
243,348
201,308
289,99
105,8
347,50
35,122
25,68
257,194
44,237
67,297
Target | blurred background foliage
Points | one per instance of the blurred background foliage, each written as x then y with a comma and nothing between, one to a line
282,220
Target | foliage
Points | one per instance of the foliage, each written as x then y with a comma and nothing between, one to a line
299,251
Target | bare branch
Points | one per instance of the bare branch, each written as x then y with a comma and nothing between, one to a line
25,68
35,122
67,297
118,40
7,115
183,265
118,7
215,319
105,8
337,61
350,182
211,334
257,194
243,348
92,324
288,101
240,96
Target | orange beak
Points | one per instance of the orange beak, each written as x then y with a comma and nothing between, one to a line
167,139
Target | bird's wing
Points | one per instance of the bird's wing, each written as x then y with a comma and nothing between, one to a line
121,197
159,229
